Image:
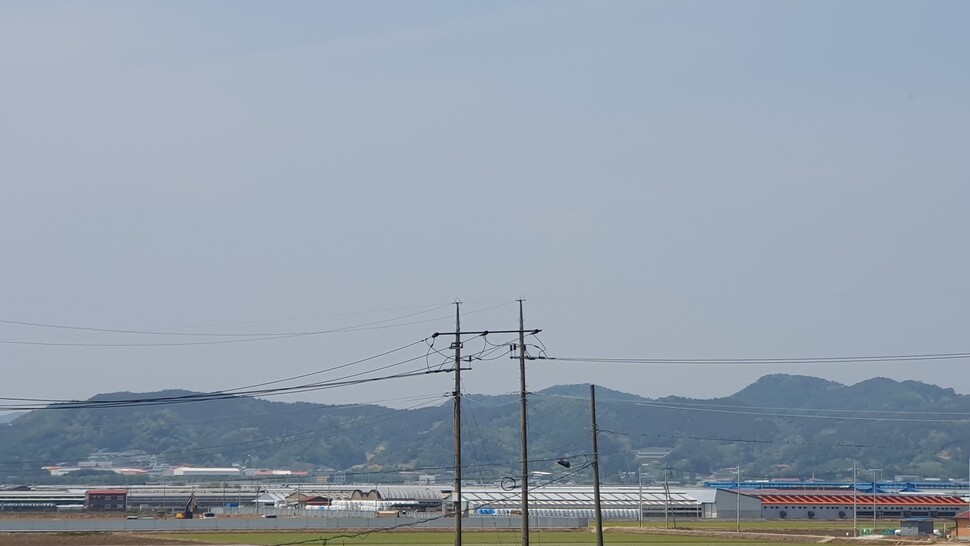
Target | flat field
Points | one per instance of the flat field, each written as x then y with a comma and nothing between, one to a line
89,539
765,533
399,538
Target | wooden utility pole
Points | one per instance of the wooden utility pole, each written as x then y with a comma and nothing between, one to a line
596,471
457,396
524,431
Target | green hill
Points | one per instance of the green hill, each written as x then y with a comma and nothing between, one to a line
780,426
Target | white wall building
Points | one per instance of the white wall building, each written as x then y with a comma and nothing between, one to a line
193,471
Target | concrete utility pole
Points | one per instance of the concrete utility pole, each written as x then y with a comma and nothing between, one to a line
640,493
666,499
956,527
457,395
596,471
738,515
524,431
855,501
874,470
457,346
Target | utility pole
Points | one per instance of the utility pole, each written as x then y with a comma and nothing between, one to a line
640,493
855,501
457,395
874,470
524,431
956,528
738,491
596,471
666,499
457,346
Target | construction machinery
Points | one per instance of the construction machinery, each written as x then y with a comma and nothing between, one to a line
190,508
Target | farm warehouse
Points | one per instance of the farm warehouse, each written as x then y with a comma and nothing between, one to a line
841,504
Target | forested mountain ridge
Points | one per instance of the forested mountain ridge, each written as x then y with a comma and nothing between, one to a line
779,426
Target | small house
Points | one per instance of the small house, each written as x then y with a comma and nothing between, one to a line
914,527
106,500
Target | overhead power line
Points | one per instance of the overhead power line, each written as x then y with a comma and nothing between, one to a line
795,360
280,439
248,389
199,334
259,389
819,410
221,395
747,440
314,408
807,416
203,397
786,412
235,337
177,344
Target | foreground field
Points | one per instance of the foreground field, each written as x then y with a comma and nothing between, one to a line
375,539
722,533
88,539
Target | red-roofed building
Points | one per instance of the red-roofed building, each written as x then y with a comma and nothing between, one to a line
842,504
113,500
962,529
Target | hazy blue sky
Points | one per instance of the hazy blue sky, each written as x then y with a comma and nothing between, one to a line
657,179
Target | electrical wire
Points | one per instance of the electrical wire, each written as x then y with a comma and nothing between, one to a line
237,337
469,412
177,344
484,355
664,405
199,397
753,361
286,438
226,334
316,408
338,367
820,410
747,440
240,391
806,416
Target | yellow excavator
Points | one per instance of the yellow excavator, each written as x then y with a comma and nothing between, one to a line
190,509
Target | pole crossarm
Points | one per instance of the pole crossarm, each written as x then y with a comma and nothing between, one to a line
484,333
